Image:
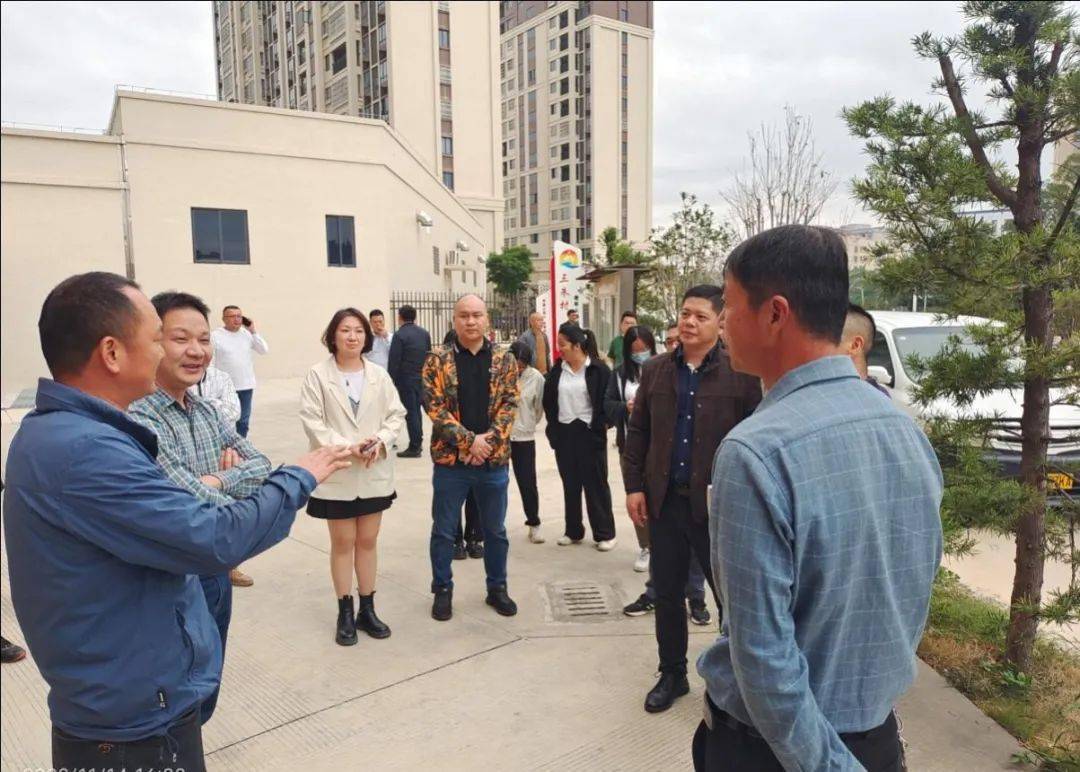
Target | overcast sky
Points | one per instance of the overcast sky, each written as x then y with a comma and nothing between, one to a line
721,70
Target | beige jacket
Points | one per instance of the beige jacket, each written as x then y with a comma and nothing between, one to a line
328,419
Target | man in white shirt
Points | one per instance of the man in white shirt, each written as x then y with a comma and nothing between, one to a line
381,337
233,344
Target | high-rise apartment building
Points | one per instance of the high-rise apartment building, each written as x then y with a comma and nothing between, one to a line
429,69
576,114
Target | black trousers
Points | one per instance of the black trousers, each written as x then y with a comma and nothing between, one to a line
473,531
411,393
731,747
673,536
582,460
523,460
179,748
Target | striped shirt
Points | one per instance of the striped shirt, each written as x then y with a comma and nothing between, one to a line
826,537
190,444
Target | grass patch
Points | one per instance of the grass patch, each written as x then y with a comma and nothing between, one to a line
965,636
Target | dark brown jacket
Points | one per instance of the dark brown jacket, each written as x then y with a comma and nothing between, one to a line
723,399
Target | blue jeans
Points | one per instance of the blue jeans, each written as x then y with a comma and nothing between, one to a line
218,592
410,394
695,582
451,485
245,411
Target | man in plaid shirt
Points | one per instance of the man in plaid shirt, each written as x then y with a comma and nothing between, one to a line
198,449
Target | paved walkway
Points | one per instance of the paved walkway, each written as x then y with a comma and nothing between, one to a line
529,692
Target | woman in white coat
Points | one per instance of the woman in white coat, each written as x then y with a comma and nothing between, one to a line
347,400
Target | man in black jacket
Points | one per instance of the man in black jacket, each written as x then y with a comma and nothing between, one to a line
408,349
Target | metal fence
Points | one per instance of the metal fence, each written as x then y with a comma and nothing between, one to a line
508,314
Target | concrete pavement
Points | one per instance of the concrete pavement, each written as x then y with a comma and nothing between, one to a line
529,692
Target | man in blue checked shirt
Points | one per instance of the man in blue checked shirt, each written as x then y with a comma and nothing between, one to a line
199,449
101,544
825,526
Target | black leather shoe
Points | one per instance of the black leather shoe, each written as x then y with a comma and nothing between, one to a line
346,622
443,607
367,621
501,602
459,551
410,453
475,549
667,689
10,652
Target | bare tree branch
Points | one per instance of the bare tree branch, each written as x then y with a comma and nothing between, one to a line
786,181
1003,193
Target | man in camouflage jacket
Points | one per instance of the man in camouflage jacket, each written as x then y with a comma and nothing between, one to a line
470,393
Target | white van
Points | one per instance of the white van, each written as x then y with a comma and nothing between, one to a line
902,333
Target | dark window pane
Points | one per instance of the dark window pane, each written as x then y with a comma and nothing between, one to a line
206,235
234,236
339,59
333,247
346,235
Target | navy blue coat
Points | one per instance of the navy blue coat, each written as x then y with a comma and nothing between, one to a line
103,550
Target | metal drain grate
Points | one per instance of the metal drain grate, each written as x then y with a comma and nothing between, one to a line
582,601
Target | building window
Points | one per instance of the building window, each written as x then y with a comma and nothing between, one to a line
444,38
219,235
339,59
447,145
340,241
448,179
435,260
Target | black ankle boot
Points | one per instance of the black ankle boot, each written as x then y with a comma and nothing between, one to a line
366,619
346,622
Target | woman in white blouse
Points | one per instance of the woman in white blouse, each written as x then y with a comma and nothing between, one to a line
346,400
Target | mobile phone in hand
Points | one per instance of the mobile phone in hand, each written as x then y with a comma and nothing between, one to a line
245,321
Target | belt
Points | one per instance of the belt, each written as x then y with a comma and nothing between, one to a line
714,716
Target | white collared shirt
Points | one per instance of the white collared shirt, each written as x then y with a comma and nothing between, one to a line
232,354
574,402
217,388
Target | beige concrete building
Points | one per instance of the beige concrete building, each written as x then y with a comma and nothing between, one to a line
576,113
288,214
429,69
861,240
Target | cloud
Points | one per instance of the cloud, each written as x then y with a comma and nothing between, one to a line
60,62
723,69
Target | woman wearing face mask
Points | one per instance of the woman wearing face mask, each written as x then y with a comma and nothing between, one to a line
348,401
577,430
638,346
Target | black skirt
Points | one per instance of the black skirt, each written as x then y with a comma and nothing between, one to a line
332,509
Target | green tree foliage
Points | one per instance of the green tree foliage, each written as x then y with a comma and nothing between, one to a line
690,251
620,252
928,166
510,269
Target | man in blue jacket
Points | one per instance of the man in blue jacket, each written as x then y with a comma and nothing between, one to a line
102,546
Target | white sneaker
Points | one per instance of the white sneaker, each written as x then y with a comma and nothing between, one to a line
606,546
534,535
565,540
641,565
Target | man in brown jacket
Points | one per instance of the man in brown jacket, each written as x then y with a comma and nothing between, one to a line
687,402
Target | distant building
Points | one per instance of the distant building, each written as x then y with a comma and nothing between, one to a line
860,240
1064,148
576,112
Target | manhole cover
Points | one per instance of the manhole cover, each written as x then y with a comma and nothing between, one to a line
583,601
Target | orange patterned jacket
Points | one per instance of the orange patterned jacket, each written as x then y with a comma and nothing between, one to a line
450,441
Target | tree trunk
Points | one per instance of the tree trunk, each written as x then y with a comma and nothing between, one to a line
1035,419
1031,530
